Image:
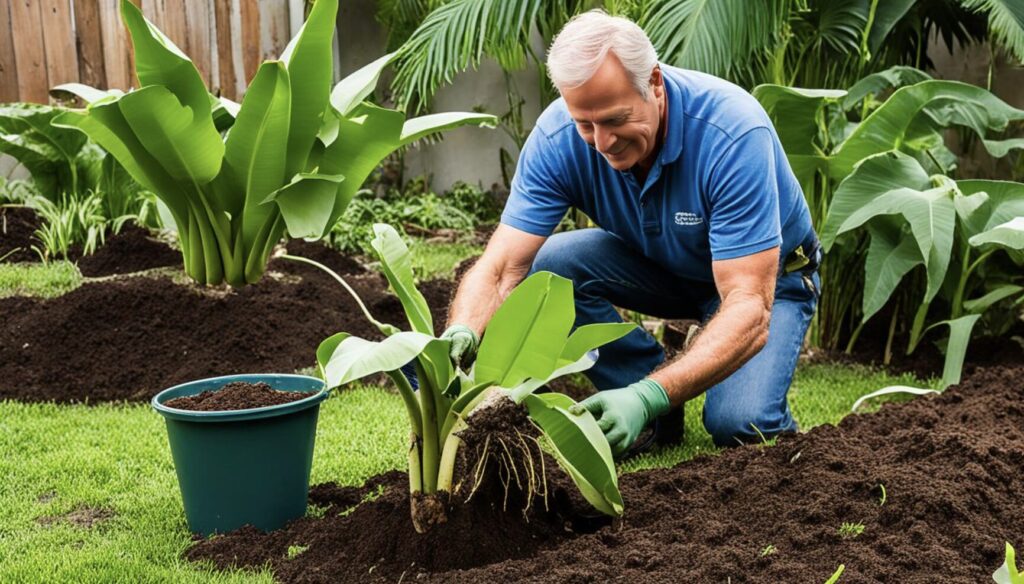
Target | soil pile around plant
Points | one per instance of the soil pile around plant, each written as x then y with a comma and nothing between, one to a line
237,395
131,250
950,466
128,338
17,226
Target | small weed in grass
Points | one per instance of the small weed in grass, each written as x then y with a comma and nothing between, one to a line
850,530
768,550
296,550
45,280
316,511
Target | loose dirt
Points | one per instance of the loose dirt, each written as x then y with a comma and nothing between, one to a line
17,224
128,338
83,517
133,249
950,466
237,395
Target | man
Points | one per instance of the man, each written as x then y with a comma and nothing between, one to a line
699,215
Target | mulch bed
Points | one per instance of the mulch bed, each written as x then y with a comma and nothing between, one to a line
950,466
128,338
17,225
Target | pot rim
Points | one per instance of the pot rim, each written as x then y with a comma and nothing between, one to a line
273,379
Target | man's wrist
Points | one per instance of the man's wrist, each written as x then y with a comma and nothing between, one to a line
654,396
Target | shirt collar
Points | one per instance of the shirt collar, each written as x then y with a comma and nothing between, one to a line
673,145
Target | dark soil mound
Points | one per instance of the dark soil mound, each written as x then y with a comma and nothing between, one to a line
950,466
17,225
128,338
237,395
131,250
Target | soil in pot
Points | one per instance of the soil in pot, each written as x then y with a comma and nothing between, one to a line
950,466
237,395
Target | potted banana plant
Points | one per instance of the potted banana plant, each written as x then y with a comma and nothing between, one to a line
526,345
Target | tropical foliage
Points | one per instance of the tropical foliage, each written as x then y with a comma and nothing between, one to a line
526,345
877,175
236,177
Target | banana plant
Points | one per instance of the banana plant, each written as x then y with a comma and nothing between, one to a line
1008,573
528,342
237,177
63,163
952,230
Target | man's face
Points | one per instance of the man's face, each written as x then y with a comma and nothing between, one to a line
612,116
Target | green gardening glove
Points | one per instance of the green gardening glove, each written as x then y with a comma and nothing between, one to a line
623,413
464,343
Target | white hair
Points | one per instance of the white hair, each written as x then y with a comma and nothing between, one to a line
581,46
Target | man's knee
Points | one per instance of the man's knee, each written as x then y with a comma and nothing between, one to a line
735,426
565,254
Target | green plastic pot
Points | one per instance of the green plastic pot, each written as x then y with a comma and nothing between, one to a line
243,467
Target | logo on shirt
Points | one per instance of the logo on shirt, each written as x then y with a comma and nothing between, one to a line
687,218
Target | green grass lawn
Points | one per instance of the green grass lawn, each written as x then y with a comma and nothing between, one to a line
61,463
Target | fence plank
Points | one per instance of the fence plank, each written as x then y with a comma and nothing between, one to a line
117,58
196,14
29,54
89,39
61,53
8,67
274,28
251,54
226,80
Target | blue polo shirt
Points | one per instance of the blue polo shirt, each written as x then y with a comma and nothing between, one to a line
721,186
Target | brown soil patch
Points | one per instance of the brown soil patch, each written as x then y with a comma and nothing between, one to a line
84,517
950,465
237,395
17,225
133,249
128,338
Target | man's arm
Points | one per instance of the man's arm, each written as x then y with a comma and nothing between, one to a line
737,332
505,262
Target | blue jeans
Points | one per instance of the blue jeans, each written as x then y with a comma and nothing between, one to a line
606,272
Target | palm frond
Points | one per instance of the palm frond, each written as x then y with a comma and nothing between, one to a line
721,37
456,36
400,18
1005,22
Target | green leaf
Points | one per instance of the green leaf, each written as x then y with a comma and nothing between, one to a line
84,92
159,62
1008,573
893,77
519,392
527,333
980,305
396,262
306,203
255,150
887,14
354,358
1005,22
1009,235
580,448
310,62
48,152
592,336
352,90
187,145
892,253
423,126
956,348
326,349
835,575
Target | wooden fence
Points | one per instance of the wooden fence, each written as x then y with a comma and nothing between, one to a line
44,43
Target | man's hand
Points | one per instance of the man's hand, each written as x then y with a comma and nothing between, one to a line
464,343
623,413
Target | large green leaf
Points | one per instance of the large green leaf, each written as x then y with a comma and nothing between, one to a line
1009,235
519,392
1000,201
980,305
956,348
364,138
944,103
893,77
796,114
255,150
48,152
396,262
872,178
580,448
887,14
187,145
354,358
158,61
84,92
352,90
1005,22
423,126
526,335
306,203
310,62
592,336
892,253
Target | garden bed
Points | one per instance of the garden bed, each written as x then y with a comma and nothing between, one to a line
129,337
17,225
950,468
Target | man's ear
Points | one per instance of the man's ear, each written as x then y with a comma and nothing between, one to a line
657,81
